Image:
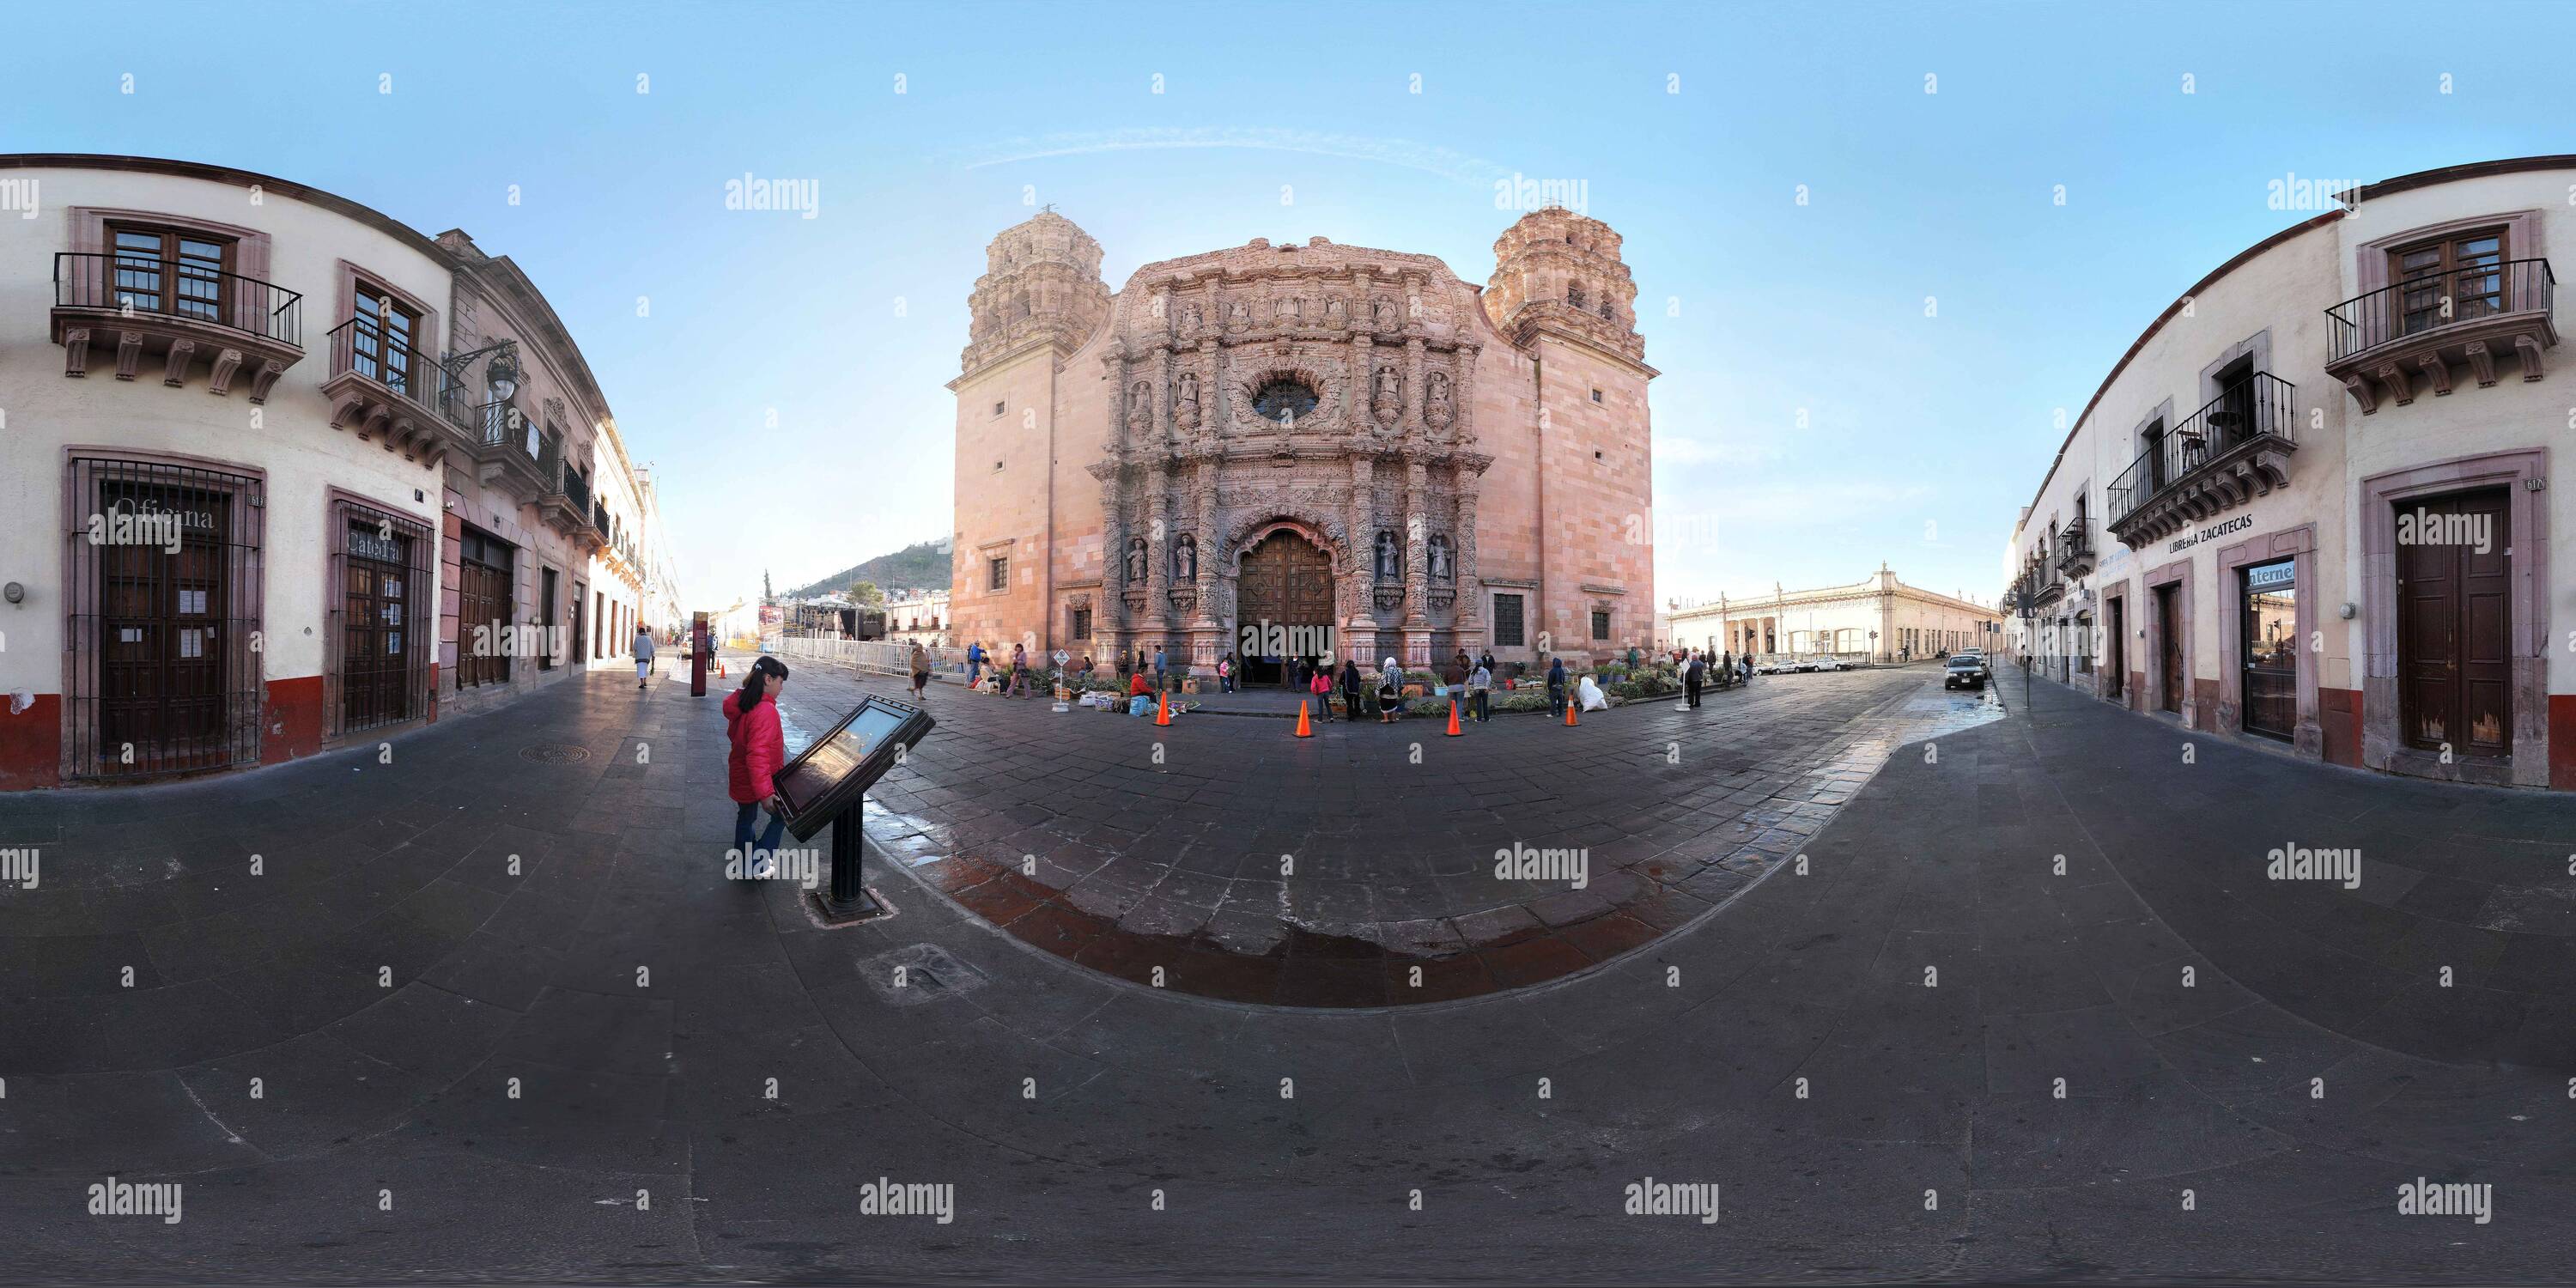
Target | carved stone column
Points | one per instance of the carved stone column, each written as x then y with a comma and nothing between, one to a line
1471,589
1360,586
1207,631
1157,522
1417,575
1411,420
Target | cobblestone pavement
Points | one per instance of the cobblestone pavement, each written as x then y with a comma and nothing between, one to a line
1365,866
1943,1052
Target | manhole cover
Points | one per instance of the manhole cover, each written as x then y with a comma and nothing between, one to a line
917,974
555,753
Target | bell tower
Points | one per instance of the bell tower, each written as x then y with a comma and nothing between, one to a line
1039,300
1562,297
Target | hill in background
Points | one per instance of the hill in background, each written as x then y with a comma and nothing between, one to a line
921,567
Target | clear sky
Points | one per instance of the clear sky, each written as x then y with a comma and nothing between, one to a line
1811,422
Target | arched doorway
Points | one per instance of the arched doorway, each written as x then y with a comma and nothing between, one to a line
1283,582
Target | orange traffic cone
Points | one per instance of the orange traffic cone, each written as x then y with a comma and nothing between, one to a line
1454,730
1163,709
1570,704
1305,729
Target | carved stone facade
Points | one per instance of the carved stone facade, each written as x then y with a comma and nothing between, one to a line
1365,403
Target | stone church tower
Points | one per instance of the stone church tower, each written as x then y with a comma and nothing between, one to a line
1303,449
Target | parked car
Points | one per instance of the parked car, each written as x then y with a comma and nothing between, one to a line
1770,666
1964,672
1831,664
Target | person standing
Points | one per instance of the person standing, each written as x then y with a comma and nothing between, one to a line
1350,690
1726,668
1556,687
920,670
1390,691
1225,673
974,662
1158,668
1320,684
1480,691
756,749
643,654
1692,676
1632,657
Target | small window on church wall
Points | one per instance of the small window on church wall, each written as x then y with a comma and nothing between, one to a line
997,409
1600,624
1574,294
1596,395
998,573
1507,621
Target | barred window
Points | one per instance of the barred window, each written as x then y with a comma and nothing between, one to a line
998,575
1507,621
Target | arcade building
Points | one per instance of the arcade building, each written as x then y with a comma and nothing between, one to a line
1353,446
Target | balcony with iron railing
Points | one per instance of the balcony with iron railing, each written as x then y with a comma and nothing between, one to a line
2425,325
382,387
568,503
2230,451
2075,549
183,312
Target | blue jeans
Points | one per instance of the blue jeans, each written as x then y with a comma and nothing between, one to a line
745,813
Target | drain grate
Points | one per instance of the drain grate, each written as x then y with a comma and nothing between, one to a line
555,753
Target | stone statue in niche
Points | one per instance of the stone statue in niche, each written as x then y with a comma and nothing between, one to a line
1136,561
1185,559
1335,316
1390,557
1192,321
1382,314
1437,412
1140,408
1292,310
1239,317
1386,400
1442,568
1188,406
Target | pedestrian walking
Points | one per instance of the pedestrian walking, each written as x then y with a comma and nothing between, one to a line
1480,692
643,655
1350,690
1692,675
1320,685
920,670
1390,691
1556,687
756,751
1225,673
974,662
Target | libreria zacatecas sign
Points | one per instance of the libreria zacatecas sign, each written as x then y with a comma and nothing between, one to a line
2238,524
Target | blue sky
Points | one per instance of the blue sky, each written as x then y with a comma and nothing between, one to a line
1922,436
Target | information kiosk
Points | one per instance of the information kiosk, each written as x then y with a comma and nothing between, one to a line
826,785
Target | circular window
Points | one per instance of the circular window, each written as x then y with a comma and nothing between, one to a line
1283,399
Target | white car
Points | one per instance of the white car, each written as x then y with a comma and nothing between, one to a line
1829,664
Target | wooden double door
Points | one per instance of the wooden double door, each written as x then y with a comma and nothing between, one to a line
1285,581
2455,624
376,638
162,700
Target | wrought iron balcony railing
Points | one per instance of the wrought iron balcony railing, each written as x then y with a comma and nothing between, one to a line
359,347
2261,407
127,282
2433,301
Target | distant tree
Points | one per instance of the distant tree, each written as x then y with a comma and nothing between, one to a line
865,594
765,592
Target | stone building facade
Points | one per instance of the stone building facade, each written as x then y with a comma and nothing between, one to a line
1353,446
1880,619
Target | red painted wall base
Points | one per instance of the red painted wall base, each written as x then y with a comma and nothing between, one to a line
31,744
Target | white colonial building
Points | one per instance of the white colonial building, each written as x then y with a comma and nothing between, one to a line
1879,619
2313,501
282,472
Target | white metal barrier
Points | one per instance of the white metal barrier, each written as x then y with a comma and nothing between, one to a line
880,657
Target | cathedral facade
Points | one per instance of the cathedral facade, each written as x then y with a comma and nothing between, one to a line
1305,450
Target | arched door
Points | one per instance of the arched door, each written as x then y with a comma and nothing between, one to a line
1287,582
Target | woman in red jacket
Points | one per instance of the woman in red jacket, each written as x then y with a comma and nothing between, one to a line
759,750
